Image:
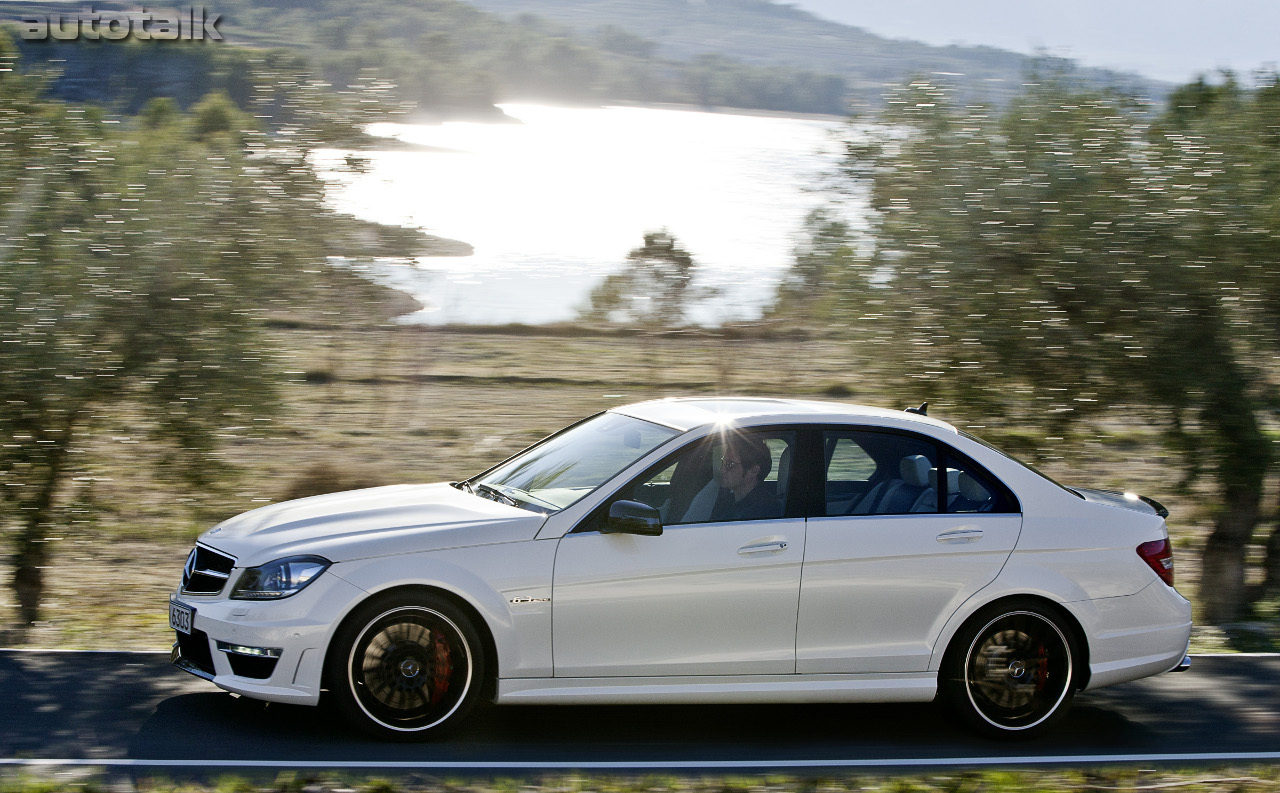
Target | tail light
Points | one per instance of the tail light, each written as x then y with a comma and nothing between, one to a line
1158,554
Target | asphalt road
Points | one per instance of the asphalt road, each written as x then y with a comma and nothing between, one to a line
133,709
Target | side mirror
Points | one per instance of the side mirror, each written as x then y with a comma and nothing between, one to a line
632,517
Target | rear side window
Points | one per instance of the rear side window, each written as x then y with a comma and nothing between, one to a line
970,488
879,473
876,472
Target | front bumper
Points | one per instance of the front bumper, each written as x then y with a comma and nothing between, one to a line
272,650
187,665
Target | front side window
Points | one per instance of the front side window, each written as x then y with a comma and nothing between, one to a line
731,476
559,471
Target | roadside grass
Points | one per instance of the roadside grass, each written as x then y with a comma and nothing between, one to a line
1248,779
366,403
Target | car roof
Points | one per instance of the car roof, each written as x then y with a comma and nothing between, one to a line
686,413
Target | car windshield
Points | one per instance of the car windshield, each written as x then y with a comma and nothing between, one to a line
557,472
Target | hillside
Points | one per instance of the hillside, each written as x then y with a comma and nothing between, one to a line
443,56
762,32
450,58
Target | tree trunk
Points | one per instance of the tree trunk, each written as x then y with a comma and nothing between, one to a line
30,549
1270,569
28,585
1222,581
1243,456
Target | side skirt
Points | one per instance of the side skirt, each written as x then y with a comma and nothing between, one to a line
914,687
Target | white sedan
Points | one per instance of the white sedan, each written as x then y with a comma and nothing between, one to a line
695,550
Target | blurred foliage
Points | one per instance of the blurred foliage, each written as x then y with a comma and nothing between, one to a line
808,292
136,261
718,80
1222,779
321,478
1074,251
654,290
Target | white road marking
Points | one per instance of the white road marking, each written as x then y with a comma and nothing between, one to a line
53,650
37,650
612,765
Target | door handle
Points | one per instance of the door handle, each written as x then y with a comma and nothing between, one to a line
763,547
960,535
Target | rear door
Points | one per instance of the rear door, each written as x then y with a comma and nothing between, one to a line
889,555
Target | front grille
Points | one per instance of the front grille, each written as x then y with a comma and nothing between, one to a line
206,572
194,648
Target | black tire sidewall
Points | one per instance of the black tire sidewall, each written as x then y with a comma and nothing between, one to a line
337,663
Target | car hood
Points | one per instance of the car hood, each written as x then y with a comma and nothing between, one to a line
1122,500
377,521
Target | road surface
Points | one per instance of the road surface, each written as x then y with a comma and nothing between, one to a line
134,710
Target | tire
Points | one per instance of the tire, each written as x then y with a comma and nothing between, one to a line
405,666
1010,672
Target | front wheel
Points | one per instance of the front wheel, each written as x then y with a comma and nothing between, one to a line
403,666
1010,672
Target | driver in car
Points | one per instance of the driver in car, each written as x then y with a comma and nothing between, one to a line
746,463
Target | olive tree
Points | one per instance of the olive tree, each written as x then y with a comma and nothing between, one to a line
1072,251
655,289
135,261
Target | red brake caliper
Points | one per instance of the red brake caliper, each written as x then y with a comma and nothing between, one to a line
1042,668
441,670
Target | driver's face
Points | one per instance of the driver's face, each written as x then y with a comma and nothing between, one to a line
732,474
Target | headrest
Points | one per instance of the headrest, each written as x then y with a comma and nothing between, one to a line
953,479
915,470
971,488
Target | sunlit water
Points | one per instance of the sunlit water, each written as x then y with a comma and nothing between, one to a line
554,203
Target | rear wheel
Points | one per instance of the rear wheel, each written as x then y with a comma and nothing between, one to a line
402,667
1010,672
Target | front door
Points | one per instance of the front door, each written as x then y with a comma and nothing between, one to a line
715,594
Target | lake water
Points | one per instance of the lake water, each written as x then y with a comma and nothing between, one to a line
554,202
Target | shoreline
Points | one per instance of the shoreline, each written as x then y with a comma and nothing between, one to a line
496,115
728,110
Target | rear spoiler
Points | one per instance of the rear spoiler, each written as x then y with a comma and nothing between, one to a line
1156,505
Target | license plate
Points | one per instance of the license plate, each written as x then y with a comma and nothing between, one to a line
180,616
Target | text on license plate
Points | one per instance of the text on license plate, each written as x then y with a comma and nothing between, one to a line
180,616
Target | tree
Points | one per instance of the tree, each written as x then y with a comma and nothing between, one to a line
1227,141
216,114
1062,255
654,290
134,262
809,290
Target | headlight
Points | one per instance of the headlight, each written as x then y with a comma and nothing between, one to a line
279,579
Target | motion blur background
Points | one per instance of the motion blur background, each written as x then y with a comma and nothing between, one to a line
364,243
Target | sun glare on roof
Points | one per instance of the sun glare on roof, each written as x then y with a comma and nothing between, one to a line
738,406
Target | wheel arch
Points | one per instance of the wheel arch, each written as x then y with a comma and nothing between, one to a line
1070,622
487,642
